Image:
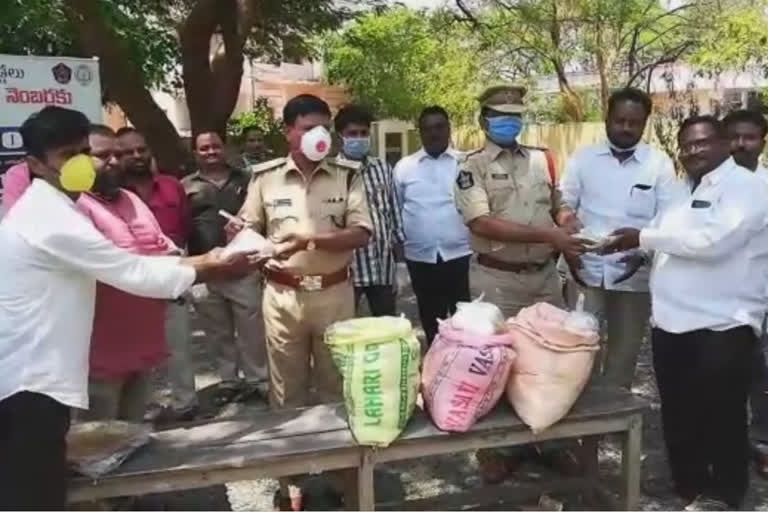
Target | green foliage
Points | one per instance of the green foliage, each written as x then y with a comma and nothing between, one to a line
42,27
552,108
148,31
738,37
261,118
399,60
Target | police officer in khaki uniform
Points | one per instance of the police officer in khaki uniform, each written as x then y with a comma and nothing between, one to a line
316,211
507,196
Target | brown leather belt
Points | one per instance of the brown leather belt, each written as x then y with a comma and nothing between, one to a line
506,266
307,283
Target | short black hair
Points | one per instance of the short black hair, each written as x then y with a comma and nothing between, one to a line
714,122
53,127
633,95
125,130
433,110
252,128
302,105
101,129
753,117
207,132
352,114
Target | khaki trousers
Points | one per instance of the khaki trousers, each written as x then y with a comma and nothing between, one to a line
231,316
122,399
513,291
295,323
624,319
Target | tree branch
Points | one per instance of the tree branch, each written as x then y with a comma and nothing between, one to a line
669,58
124,80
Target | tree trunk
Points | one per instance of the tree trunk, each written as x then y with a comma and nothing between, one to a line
123,79
601,70
212,82
574,107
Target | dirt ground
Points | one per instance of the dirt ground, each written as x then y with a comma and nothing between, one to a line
440,476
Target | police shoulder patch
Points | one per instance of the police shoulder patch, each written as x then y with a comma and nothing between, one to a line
534,148
465,180
349,165
268,165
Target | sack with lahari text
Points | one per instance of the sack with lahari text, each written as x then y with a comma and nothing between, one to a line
378,359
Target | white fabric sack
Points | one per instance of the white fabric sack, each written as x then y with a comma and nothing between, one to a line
553,364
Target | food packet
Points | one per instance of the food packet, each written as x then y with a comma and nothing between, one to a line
477,317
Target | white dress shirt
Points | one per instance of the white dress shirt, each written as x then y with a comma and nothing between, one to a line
710,266
51,257
431,223
761,172
607,194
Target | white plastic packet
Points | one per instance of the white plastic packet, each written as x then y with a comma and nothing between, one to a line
248,240
482,318
579,320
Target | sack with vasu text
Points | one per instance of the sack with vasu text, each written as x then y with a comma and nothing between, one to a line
464,375
378,359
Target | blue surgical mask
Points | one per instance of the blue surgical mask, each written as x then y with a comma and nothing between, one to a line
503,130
356,148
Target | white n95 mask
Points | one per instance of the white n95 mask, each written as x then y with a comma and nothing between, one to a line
316,143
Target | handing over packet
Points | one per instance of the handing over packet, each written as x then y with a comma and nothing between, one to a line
247,240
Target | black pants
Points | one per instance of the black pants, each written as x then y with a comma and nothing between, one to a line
33,452
758,398
438,287
704,379
381,299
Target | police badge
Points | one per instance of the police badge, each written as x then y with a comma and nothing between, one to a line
465,180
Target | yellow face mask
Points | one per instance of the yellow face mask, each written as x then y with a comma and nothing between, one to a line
77,174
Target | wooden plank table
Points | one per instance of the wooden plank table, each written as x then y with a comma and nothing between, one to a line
598,412
270,444
317,439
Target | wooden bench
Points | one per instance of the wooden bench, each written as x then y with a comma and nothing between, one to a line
317,439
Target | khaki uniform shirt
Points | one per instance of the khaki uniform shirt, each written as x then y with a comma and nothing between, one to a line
508,185
281,202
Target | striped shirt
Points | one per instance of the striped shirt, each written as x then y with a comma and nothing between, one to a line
374,265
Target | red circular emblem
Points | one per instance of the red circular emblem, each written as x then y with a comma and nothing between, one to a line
321,146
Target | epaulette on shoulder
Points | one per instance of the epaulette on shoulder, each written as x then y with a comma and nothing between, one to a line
349,165
268,165
535,148
469,154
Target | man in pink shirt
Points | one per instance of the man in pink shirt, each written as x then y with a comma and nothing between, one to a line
128,337
165,196
15,182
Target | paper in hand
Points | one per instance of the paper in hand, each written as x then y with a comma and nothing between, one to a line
594,242
248,240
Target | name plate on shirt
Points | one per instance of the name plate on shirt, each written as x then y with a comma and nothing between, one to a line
700,204
500,176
